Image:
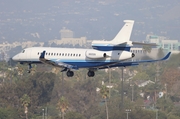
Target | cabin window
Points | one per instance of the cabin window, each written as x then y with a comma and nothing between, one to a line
57,54
118,53
51,53
79,55
38,53
71,54
46,53
54,54
66,54
62,54
74,55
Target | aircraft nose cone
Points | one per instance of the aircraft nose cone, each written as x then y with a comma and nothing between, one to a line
16,58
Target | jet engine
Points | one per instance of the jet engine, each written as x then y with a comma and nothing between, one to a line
124,55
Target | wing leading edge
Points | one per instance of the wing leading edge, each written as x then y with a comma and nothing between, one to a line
55,63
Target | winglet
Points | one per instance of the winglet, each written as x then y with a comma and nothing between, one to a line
42,56
166,57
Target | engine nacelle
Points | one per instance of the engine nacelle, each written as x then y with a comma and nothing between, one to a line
95,54
126,55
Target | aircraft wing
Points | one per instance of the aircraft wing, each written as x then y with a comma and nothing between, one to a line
55,63
134,63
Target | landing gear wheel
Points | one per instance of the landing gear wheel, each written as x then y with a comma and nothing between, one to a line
70,73
90,73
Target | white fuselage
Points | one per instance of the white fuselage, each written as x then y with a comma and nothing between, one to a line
81,58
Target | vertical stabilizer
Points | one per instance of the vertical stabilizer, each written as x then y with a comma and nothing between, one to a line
125,33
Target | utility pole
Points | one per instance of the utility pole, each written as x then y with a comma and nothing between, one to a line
156,113
132,98
122,88
166,90
109,72
62,83
46,113
127,112
43,113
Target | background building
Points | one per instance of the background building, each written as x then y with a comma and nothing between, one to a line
66,33
166,44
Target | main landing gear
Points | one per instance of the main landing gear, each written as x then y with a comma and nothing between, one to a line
91,73
70,73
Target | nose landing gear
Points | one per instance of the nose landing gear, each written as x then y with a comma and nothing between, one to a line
29,68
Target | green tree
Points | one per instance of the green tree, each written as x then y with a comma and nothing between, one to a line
4,114
174,61
165,105
8,113
74,115
25,100
62,105
141,76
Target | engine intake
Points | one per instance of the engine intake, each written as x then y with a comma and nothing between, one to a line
133,55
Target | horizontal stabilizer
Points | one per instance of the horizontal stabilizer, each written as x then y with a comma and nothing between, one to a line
147,44
122,38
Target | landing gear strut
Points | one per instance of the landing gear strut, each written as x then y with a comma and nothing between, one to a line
70,73
29,68
90,73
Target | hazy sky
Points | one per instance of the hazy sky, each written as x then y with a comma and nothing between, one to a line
101,19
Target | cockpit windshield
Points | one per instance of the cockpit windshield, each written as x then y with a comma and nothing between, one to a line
23,51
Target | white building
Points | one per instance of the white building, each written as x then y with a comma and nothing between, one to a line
166,44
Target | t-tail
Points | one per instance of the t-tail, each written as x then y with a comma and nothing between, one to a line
124,34
120,42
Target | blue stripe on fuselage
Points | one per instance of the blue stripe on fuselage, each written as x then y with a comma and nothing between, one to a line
78,63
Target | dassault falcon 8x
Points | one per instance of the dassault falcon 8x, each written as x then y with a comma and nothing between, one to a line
104,54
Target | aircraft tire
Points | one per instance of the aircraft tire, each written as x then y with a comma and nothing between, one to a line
90,73
70,73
